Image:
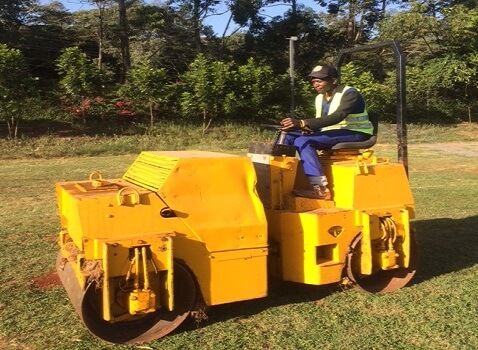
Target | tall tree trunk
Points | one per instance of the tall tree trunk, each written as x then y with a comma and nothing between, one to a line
206,122
197,24
12,126
351,22
101,5
223,38
124,39
9,129
151,113
100,37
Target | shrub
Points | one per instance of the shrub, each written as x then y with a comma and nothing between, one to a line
14,88
147,84
80,80
209,90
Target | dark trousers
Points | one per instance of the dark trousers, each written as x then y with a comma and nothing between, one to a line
307,146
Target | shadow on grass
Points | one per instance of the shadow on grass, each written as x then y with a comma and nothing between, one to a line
445,245
280,293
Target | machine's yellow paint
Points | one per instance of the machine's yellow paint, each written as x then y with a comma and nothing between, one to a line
204,210
312,237
126,229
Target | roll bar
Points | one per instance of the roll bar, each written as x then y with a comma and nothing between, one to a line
402,147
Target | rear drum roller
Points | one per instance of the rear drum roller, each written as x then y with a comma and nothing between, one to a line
383,281
141,329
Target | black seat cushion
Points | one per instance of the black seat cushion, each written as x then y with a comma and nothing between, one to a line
356,145
362,144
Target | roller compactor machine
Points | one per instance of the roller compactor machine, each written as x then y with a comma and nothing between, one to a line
180,229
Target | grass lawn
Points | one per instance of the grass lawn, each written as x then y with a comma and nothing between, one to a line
439,310
228,138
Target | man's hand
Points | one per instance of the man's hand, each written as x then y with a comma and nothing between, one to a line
290,123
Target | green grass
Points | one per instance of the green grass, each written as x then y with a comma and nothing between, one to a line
228,137
437,311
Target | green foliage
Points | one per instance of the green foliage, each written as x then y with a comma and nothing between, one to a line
257,85
195,11
380,97
458,29
220,90
363,13
439,39
14,12
13,74
147,84
208,90
14,87
80,78
80,81
443,86
163,36
442,56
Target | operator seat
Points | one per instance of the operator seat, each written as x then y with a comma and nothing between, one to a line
362,144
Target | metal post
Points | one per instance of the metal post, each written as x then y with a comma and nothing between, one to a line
401,106
292,39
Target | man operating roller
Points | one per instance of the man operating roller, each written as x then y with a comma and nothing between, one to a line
341,116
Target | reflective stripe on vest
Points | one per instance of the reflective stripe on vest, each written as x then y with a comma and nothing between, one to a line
356,122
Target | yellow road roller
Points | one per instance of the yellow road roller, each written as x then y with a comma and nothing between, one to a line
182,228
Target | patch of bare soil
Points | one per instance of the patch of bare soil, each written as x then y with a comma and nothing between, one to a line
47,281
51,238
466,149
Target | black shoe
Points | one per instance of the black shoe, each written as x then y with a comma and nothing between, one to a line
318,192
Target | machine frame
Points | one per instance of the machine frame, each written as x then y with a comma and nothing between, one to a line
139,254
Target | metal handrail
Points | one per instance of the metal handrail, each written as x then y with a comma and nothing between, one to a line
402,143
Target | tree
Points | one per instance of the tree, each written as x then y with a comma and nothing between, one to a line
79,77
161,35
442,56
380,96
49,30
101,5
208,93
416,31
14,87
14,13
53,14
269,44
256,86
357,18
124,37
197,11
148,84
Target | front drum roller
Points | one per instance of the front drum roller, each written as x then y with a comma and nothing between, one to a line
143,329
383,281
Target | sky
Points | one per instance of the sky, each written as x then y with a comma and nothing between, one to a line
217,22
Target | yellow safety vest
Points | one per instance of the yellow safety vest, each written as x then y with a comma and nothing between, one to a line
356,122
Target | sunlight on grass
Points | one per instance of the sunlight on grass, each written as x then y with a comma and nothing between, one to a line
438,311
229,138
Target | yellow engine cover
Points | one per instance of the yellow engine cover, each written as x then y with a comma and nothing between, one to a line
221,233
204,201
